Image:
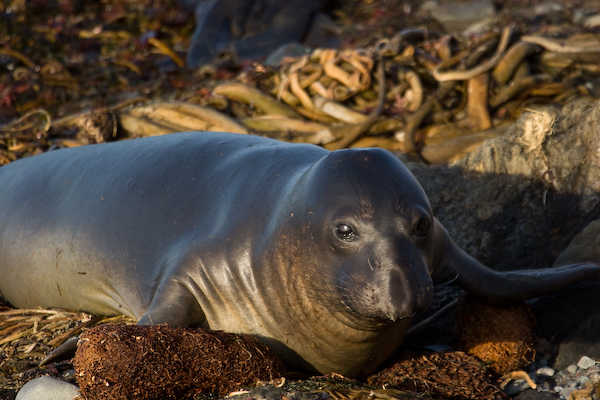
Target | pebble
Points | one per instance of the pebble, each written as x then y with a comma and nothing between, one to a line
47,388
460,17
592,21
515,387
583,380
564,377
594,373
586,362
545,371
547,8
556,384
566,392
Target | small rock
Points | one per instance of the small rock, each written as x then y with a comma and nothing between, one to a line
594,377
547,8
585,245
583,380
594,369
535,395
459,17
273,393
592,21
583,339
571,369
562,378
515,387
585,362
47,388
545,371
429,5
566,392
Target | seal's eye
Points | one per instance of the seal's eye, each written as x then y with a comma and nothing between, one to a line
344,232
422,227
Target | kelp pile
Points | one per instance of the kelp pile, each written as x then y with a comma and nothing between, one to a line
417,92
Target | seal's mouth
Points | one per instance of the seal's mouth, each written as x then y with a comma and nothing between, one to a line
359,317
372,316
385,301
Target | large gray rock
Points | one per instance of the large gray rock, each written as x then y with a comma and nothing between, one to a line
48,388
519,200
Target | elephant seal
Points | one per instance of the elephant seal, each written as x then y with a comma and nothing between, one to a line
248,29
325,256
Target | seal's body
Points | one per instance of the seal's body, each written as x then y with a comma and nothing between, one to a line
325,256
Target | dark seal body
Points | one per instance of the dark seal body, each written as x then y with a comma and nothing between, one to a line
325,256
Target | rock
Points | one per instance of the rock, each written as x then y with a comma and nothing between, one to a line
564,377
275,393
592,21
572,369
547,8
513,388
552,12
594,373
582,381
531,394
459,17
585,246
528,192
586,362
566,392
545,371
582,341
47,388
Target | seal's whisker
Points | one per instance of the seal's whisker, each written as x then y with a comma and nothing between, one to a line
441,292
446,279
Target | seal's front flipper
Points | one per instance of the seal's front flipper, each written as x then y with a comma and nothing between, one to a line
504,287
65,351
174,305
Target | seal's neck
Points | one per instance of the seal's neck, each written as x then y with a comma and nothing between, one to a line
318,336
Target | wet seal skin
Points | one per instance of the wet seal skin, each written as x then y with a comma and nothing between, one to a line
246,29
325,256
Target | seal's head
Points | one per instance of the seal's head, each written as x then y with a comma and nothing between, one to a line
370,227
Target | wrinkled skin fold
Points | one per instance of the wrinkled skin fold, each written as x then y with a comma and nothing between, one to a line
325,256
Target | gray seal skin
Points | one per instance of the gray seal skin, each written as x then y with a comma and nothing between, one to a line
246,29
324,255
